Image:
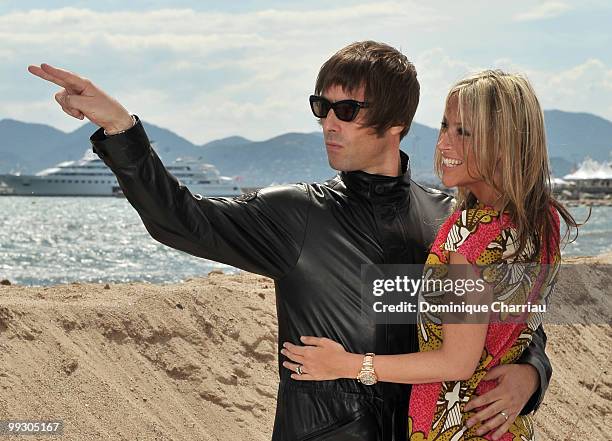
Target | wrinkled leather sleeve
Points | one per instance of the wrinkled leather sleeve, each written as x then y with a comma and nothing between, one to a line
535,355
262,233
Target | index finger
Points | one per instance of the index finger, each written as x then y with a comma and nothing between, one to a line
36,70
300,350
312,341
60,77
481,400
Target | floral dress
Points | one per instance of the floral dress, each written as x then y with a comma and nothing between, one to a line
486,239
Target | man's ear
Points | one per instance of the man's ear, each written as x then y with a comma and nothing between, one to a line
396,130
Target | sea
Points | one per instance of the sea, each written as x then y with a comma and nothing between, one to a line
57,240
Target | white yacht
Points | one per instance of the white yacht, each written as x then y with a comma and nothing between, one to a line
89,176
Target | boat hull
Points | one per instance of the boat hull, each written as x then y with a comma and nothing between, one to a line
24,185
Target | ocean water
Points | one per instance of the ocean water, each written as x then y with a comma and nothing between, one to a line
45,241
595,236
51,240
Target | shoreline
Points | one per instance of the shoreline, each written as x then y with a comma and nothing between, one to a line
605,202
605,259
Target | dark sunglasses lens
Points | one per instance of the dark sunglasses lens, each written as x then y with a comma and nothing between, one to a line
320,108
345,111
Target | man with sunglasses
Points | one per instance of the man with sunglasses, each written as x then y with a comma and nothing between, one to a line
313,238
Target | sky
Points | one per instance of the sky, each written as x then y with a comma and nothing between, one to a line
211,69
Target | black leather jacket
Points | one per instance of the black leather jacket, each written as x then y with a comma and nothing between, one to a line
311,239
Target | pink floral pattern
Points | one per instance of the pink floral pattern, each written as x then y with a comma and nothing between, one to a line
486,239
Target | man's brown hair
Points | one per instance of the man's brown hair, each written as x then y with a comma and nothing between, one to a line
389,79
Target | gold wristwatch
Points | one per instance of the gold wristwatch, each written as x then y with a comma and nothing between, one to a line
367,375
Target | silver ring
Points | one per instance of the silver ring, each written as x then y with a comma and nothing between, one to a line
298,370
504,414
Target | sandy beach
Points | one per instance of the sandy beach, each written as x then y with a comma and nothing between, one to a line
198,361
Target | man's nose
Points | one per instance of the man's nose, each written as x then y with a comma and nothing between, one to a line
331,123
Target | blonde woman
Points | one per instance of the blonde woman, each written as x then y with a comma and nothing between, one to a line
491,147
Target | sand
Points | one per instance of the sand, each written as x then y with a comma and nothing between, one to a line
197,360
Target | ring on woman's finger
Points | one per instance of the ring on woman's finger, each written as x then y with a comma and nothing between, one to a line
298,370
504,414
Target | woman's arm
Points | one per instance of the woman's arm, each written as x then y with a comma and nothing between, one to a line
457,359
324,359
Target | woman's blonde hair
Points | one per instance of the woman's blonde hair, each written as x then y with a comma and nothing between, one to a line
508,140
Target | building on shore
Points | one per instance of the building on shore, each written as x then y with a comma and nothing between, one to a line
591,177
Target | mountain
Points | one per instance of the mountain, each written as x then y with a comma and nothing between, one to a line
575,135
290,157
286,158
572,136
228,142
420,144
22,145
301,157
560,166
30,147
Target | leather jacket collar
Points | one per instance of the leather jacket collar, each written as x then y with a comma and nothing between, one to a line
380,188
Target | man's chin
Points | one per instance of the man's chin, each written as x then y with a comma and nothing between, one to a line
339,166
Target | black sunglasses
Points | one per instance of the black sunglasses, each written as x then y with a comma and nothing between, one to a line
345,110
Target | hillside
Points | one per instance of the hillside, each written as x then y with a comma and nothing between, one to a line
290,157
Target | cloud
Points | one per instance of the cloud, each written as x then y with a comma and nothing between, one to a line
207,75
437,71
187,21
548,9
204,74
584,87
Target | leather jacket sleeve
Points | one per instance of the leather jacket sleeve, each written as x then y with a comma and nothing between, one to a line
261,232
535,355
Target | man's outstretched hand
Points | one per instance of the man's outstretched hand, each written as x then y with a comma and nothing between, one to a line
81,98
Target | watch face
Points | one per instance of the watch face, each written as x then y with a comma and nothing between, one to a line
368,378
